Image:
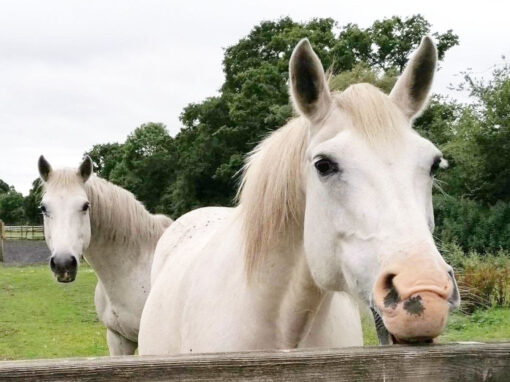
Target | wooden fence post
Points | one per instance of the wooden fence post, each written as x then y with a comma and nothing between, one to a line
2,237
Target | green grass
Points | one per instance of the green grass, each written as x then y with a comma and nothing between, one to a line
40,318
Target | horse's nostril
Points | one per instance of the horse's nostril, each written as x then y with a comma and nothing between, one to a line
388,281
62,263
391,296
52,264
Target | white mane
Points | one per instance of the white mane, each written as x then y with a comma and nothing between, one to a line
115,214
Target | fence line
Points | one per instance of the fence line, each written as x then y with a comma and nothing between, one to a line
24,232
452,362
2,237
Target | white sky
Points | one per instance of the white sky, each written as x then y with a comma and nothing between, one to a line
77,73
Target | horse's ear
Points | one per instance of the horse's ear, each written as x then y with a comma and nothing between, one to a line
44,168
85,169
308,86
412,88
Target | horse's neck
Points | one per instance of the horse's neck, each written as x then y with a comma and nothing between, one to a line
299,307
294,298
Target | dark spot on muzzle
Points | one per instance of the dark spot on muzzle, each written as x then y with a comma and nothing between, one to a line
392,298
64,267
414,306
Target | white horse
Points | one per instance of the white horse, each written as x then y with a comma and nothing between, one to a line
336,202
86,215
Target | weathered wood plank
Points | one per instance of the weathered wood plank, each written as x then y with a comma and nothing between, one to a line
454,362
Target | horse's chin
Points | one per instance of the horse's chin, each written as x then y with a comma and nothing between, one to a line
65,281
412,341
65,278
387,338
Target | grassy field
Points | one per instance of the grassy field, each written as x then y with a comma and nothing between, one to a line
40,318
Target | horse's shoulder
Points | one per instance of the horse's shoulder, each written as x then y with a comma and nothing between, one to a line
186,233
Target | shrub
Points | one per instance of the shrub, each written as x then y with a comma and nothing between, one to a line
484,281
471,225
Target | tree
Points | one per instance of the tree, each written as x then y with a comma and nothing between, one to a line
4,187
11,207
105,157
254,99
493,137
147,163
199,166
32,202
478,146
363,73
394,38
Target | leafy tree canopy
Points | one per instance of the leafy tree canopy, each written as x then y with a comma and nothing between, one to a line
11,207
4,187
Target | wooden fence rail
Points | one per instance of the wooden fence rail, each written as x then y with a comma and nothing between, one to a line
23,232
452,362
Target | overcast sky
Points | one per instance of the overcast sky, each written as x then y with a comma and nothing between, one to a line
77,73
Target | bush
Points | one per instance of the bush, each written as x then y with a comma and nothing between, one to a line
484,281
473,226
11,207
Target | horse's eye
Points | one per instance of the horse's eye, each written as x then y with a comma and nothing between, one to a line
42,207
85,207
326,166
436,165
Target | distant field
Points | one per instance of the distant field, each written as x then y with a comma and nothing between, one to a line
40,318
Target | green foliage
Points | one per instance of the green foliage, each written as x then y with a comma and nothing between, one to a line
16,209
436,121
32,202
147,163
484,279
144,164
4,187
493,136
199,166
105,158
254,98
477,143
472,225
363,73
11,207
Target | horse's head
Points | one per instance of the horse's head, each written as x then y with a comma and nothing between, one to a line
368,180
65,207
